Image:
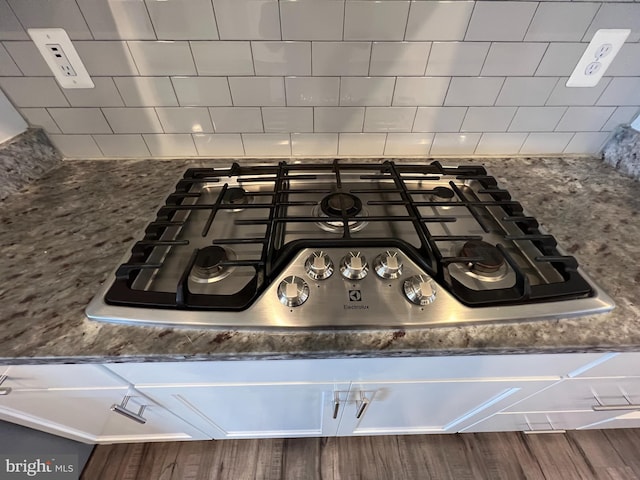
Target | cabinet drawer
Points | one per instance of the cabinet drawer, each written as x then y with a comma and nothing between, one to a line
619,365
542,421
33,377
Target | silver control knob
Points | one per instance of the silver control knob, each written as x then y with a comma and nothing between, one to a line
354,266
319,266
388,265
420,289
293,291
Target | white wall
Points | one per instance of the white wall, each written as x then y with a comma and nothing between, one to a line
11,123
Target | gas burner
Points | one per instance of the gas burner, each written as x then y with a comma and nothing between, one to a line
236,196
442,193
207,268
492,267
331,208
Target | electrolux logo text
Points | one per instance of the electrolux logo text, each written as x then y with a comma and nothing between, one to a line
51,467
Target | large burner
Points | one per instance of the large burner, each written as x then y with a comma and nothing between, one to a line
207,267
334,204
491,261
236,196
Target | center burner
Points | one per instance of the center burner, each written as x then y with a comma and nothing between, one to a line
335,205
207,268
492,265
236,196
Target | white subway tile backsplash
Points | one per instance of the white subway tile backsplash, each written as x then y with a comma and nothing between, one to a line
563,95
586,143
223,58
76,146
560,59
454,143
312,20
287,119
257,91
39,117
104,94
124,146
389,119
439,119
621,91
282,58
340,58
537,119
616,15
10,28
622,115
420,91
202,91
476,91
399,58
500,143
361,91
400,144
170,145
626,63
28,58
185,119
106,58
8,68
162,58
267,144
117,19
314,91
146,91
236,119
183,19
52,14
526,91
361,144
247,19
510,58
456,58
219,145
438,20
133,120
33,92
581,119
338,119
500,20
546,143
314,144
488,119
378,20
561,22
80,120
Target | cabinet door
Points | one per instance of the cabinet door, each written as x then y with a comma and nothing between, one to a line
427,407
256,411
86,416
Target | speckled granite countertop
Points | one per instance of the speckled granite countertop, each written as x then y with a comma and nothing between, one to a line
64,234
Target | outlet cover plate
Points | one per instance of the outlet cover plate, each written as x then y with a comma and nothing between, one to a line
47,36
604,46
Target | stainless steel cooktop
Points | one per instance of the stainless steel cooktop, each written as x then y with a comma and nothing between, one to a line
343,245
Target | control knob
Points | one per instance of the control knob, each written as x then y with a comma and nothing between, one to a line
388,265
353,266
293,291
420,289
319,266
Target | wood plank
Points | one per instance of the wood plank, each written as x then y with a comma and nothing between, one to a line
626,442
301,458
600,453
557,457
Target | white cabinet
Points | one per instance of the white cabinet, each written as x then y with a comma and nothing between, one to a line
254,411
543,422
38,377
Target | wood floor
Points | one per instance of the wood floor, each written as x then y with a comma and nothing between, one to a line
597,454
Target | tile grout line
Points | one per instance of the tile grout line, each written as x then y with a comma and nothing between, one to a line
215,18
466,30
535,12
153,27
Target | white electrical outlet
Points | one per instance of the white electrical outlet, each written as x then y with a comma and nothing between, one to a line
61,57
600,52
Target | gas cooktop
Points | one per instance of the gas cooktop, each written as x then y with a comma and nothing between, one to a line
343,245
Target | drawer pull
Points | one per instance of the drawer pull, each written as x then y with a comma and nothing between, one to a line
336,404
361,405
600,407
4,390
531,431
124,411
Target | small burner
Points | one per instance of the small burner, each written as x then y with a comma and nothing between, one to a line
236,196
207,268
332,205
443,192
492,258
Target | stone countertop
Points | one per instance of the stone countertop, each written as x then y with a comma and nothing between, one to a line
64,234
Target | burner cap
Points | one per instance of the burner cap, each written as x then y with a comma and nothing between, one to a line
332,205
443,192
235,196
210,257
207,268
492,258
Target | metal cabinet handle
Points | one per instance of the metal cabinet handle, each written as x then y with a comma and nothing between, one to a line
4,390
124,411
600,407
362,405
531,431
336,404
